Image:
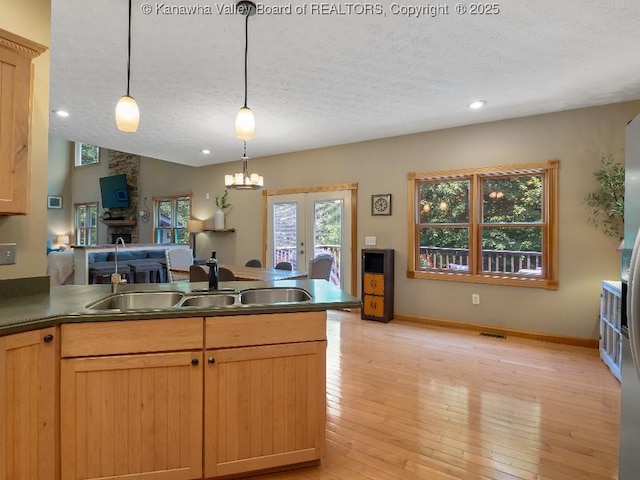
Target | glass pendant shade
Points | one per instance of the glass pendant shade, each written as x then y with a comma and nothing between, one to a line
245,124
127,114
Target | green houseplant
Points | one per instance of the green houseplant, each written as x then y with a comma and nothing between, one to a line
607,200
222,202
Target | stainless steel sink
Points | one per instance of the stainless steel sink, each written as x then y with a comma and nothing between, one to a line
137,301
207,300
274,295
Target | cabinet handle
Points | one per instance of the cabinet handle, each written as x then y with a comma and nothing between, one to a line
211,361
48,338
195,362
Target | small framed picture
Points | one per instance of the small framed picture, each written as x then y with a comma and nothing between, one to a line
381,204
54,202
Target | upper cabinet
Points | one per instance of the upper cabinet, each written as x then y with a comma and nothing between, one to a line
16,54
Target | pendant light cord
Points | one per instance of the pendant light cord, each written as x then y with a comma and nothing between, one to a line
129,52
246,50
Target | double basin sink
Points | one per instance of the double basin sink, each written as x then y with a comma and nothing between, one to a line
172,299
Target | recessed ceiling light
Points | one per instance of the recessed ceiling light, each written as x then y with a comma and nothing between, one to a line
61,113
477,104
205,151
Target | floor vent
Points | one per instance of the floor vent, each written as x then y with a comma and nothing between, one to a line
494,335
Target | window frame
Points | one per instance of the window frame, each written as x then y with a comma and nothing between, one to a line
78,229
78,157
549,225
174,200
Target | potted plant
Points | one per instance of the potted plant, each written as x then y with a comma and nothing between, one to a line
222,203
607,200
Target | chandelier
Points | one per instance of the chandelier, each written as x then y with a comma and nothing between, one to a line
245,122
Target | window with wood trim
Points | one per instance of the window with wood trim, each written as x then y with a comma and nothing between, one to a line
486,225
86,223
170,219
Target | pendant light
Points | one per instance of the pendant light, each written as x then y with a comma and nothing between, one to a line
127,113
245,123
244,180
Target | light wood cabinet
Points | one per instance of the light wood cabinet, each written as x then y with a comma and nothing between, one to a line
161,398
265,407
264,391
134,416
16,54
28,405
377,284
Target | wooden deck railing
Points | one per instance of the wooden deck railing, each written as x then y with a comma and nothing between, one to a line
502,261
288,254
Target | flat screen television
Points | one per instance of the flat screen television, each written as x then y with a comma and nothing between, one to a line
114,191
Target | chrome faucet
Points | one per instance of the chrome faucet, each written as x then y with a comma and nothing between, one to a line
212,263
116,278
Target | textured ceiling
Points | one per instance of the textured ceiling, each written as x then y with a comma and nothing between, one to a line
333,77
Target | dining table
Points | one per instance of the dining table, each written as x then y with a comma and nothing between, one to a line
243,272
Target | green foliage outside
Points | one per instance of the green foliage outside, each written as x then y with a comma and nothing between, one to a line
444,214
607,200
328,222
88,154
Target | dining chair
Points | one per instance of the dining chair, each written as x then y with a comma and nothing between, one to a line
225,275
197,273
283,266
178,258
254,262
320,267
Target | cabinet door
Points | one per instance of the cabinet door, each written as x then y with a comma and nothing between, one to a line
135,417
373,306
374,283
28,385
265,407
15,91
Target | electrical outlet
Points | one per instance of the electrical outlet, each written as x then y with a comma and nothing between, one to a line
475,299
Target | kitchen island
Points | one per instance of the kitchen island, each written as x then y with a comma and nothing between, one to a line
167,393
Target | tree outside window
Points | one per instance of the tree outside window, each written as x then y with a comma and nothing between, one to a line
487,225
171,215
87,154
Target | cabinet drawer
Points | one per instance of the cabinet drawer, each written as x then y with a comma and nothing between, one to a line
246,330
135,336
373,305
374,283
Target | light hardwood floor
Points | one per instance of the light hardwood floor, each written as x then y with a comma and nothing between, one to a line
407,401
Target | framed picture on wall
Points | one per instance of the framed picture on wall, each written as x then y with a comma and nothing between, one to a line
381,204
54,201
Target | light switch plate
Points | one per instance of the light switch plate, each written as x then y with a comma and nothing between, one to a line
369,240
7,253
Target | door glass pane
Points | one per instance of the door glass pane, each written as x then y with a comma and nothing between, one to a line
444,248
285,233
512,250
327,233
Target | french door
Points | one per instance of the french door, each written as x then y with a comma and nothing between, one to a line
301,226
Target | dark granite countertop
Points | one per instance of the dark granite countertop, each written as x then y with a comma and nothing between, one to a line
67,304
